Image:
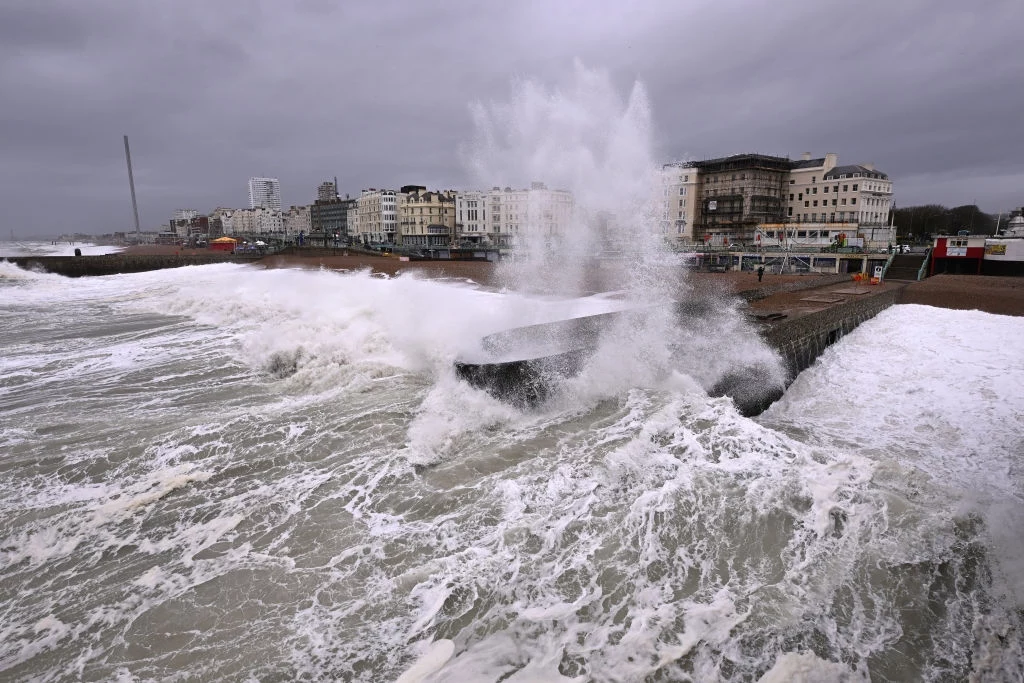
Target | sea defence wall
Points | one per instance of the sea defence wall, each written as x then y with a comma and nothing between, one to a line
525,362
801,340
112,264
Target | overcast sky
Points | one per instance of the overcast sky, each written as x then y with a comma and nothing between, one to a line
379,93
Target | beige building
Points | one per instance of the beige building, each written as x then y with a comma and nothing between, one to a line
726,201
426,219
822,191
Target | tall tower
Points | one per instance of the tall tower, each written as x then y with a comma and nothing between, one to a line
131,184
265,192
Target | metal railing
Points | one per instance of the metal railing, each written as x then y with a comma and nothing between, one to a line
924,264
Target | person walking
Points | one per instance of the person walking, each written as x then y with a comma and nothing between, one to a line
760,273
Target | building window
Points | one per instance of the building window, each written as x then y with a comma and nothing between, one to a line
814,179
686,178
853,200
825,189
800,195
682,191
833,202
790,196
806,203
791,211
792,182
854,188
846,188
815,202
814,190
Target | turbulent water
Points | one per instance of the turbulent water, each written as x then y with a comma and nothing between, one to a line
226,473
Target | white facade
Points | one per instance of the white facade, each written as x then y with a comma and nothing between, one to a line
679,201
378,216
507,217
256,221
296,219
265,192
471,217
185,214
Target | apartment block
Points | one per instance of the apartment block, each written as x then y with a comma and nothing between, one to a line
265,192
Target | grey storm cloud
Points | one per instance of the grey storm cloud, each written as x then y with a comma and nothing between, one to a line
379,93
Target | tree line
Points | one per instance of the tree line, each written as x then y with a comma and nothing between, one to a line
921,222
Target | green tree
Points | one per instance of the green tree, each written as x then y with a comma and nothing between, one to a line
970,217
920,222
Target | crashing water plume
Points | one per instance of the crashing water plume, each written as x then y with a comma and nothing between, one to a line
585,138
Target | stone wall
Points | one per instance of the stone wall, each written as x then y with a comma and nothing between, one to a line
801,340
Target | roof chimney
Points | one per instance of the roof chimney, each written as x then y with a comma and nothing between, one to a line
806,156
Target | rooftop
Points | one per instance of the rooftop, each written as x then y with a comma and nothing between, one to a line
861,171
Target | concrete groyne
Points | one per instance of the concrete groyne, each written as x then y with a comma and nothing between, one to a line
524,363
113,264
800,340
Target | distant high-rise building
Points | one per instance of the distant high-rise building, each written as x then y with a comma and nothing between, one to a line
327,192
265,192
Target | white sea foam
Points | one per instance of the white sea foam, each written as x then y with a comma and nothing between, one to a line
202,457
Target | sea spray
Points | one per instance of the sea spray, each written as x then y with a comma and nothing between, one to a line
584,137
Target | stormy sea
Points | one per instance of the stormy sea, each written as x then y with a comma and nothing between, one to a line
230,473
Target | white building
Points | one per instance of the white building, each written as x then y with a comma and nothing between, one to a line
378,216
471,217
256,221
184,214
507,217
296,219
679,201
265,192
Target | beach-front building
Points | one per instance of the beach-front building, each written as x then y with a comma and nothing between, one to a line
536,215
378,216
471,218
425,218
296,220
679,201
332,217
731,200
257,221
958,254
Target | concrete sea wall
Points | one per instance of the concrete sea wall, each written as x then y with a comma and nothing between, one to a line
801,340
112,264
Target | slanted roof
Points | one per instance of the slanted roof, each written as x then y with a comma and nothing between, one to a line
855,168
808,163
